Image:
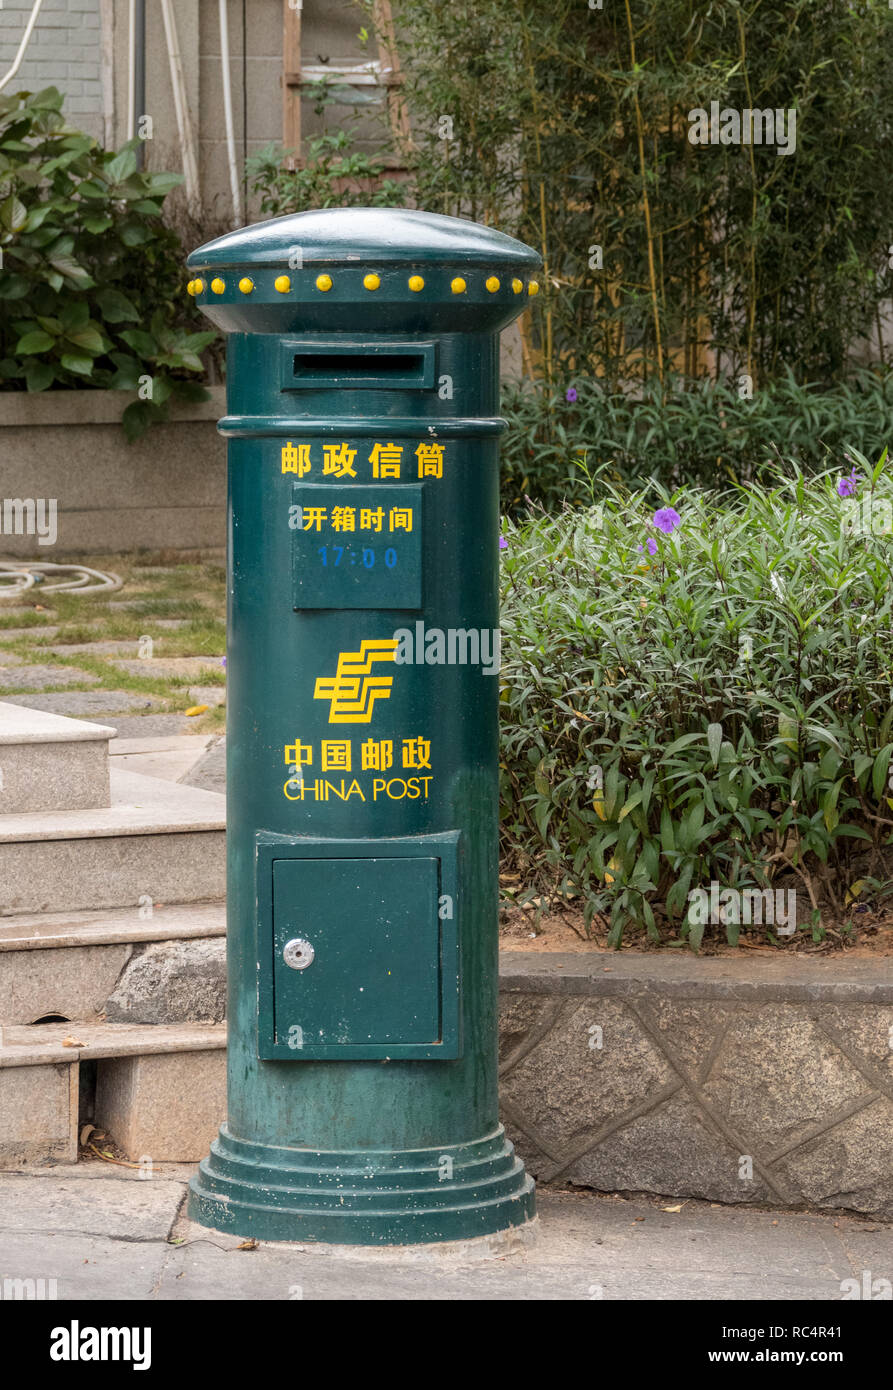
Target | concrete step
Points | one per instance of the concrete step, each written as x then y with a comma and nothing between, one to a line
156,842
49,763
68,964
35,931
169,758
160,1092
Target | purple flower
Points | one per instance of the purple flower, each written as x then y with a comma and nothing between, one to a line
650,545
223,661
503,543
847,486
571,394
666,519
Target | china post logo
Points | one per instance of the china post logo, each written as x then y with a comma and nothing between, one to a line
353,689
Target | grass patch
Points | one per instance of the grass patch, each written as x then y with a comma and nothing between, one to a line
192,592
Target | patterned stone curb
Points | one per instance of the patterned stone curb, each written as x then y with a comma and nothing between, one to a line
765,1082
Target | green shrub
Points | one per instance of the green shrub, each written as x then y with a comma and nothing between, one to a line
719,710
91,283
704,434
332,172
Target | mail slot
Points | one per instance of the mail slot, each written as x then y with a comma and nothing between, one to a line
362,727
336,366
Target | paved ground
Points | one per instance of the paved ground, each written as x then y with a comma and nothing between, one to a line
102,1232
137,658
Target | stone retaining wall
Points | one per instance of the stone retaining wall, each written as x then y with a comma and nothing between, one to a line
166,491
762,1081
766,1081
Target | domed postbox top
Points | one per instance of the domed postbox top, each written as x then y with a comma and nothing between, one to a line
376,270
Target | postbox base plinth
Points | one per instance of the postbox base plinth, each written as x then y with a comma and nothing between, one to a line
362,1197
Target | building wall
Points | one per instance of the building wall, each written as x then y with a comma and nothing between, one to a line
64,52
81,46
330,29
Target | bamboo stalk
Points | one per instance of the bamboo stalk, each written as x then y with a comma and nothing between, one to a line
646,205
752,289
542,202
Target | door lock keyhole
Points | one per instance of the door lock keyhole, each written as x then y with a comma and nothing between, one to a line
298,953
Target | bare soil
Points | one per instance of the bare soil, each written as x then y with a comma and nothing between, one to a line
563,929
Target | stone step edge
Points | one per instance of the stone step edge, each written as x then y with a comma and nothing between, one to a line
114,926
140,805
41,1044
19,725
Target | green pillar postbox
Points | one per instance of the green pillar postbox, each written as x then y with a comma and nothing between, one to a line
362,739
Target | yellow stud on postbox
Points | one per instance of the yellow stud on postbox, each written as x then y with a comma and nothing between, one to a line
416,283
533,287
458,285
323,282
492,283
371,282
246,285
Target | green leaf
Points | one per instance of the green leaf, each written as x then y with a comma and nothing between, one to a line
89,338
39,375
714,742
68,267
137,418
186,361
631,803
37,216
13,214
829,805
96,223
73,315
880,771
82,365
135,234
162,184
38,341
196,342
121,166
140,341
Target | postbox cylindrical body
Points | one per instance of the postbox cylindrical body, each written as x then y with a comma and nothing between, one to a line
362,727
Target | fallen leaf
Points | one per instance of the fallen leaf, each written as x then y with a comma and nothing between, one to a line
86,1131
679,1208
195,709
72,1042
110,1158
247,1245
